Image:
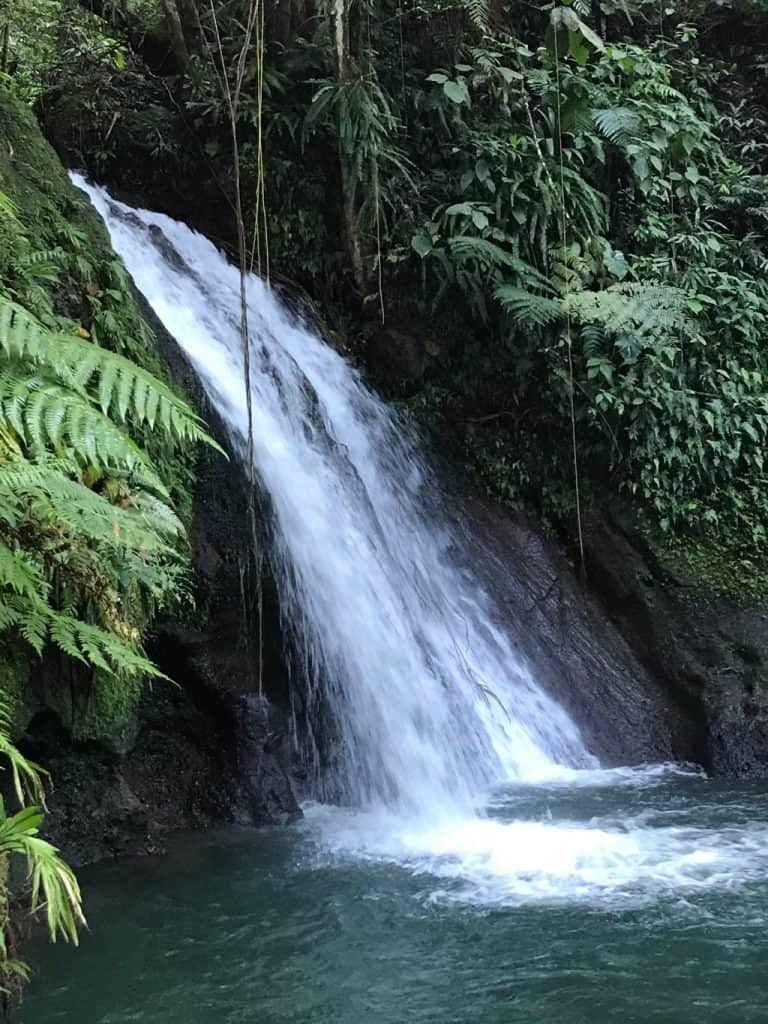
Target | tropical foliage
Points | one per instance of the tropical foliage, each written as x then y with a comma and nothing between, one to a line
88,544
95,452
573,194
50,885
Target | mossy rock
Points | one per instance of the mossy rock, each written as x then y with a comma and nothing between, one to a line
15,677
51,214
88,290
104,711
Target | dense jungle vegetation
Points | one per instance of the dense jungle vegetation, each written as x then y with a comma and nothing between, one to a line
572,195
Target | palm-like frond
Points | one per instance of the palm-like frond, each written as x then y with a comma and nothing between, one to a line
54,887
27,775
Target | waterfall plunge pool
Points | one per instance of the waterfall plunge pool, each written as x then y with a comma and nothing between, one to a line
630,896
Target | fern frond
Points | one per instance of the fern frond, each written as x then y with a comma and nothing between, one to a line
122,388
83,641
46,414
641,308
8,208
478,12
468,248
19,572
47,494
528,309
619,125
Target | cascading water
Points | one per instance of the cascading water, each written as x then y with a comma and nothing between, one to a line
434,710
432,705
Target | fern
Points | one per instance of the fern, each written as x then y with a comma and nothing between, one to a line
46,493
642,308
478,12
123,389
528,309
619,125
466,248
38,623
47,415
88,546
8,208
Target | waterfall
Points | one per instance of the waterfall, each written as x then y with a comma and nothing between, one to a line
431,704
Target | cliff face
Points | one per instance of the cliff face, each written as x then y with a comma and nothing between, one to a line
705,647
653,665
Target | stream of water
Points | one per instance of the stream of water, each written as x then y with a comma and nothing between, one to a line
481,866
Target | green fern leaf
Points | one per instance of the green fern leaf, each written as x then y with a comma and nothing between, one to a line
528,309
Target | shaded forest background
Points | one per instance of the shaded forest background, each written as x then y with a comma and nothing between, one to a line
567,201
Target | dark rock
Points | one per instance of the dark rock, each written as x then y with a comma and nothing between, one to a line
398,351
264,759
707,651
627,714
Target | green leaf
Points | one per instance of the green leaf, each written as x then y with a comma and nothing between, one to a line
421,244
577,49
456,91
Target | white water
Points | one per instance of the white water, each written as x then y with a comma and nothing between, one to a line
432,704
434,709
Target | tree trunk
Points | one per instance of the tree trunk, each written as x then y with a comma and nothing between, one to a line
340,40
176,31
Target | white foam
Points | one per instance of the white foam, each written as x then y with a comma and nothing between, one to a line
606,861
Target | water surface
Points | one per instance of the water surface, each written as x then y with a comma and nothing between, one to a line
637,896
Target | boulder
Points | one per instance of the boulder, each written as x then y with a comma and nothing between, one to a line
398,351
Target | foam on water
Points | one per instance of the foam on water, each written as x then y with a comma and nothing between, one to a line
613,860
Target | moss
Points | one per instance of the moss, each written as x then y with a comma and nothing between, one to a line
15,688
103,712
722,565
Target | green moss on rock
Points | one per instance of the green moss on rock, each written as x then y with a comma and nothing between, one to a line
104,712
721,565
18,697
85,287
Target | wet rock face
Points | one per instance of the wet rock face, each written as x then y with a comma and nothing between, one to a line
708,652
627,715
264,756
